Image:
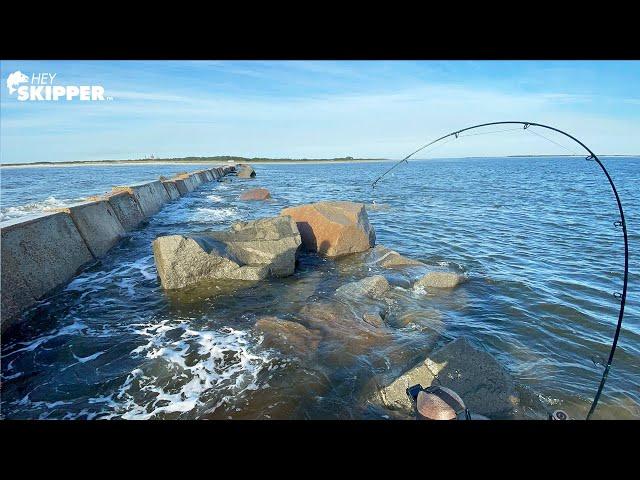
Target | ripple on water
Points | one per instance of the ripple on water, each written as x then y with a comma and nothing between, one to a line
112,344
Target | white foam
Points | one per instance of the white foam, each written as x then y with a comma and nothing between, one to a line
419,290
215,198
88,358
214,214
10,213
224,366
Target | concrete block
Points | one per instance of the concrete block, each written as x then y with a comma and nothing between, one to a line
98,225
197,179
150,196
180,185
187,182
126,209
172,189
39,254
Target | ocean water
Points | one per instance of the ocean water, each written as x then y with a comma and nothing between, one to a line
534,235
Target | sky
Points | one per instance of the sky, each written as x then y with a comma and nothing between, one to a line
319,109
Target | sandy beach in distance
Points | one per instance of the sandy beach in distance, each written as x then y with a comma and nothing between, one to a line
126,164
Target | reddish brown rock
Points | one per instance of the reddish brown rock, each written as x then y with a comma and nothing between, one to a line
287,336
256,194
341,325
333,229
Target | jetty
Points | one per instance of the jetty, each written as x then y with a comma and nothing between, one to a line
42,253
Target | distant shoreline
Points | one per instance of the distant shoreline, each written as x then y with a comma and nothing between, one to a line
225,160
192,161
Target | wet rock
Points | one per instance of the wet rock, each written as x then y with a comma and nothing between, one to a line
291,391
333,228
440,280
349,333
429,319
256,194
288,337
374,319
484,385
245,171
374,287
387,258
273,241
248,251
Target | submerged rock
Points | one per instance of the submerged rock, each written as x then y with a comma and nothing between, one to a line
248,251
440,280
374,287
245,170
256,194
350,332
484,385
378,207
387,258
287,336
333,228
423,319
373,318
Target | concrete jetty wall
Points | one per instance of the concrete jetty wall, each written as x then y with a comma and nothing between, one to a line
180,185
126,209
150,196
190,181
172,189
98,225
42,253
39,254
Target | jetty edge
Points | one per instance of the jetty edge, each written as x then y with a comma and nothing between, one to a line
43,252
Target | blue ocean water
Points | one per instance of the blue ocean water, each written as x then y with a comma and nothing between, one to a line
535,236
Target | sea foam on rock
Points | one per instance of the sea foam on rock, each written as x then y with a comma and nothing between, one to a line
333,229
484,385
248,251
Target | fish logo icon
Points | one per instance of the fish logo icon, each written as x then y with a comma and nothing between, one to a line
15,78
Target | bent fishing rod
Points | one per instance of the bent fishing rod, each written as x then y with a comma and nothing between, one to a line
618,223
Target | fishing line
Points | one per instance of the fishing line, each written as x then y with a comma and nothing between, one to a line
619,223
549,140
492,131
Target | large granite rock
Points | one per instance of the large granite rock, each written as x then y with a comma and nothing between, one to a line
484,385
333,228
248,251
256,194
288,337
245,171
440,280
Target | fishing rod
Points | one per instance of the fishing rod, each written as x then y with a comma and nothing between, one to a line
622,297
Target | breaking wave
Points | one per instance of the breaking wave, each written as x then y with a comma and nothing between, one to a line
10,213
205,369
215,214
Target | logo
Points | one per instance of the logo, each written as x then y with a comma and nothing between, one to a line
15,78
41,87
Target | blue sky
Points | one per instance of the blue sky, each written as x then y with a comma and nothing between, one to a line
318,109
